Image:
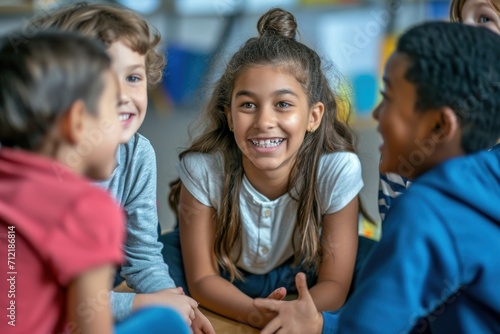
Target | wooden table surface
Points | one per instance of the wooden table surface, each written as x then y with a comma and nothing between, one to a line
223,325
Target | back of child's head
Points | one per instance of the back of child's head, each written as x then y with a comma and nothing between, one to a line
41,77
455,65
456,7
277,47
110,23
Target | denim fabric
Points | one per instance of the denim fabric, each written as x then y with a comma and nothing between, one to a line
253,285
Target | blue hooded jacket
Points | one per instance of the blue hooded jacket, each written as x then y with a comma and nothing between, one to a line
437,267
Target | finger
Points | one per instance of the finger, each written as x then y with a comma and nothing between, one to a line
278,294
272,326
206,326
193,303
192,315
208,329
188,321
301,284
265,304
181,290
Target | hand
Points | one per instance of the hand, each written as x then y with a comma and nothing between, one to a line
178,290
259,318
278,294
200,324
173,298
297,316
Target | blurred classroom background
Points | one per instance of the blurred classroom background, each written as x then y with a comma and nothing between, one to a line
353,36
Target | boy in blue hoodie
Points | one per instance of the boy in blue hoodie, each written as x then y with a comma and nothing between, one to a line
473,12
437,272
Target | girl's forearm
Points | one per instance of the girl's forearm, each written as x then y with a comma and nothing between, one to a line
328,295
222,297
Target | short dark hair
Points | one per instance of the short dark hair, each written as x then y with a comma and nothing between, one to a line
457,66
40,77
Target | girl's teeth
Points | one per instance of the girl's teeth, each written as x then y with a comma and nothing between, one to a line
267,143
124,117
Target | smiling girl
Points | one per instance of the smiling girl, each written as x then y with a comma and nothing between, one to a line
270,188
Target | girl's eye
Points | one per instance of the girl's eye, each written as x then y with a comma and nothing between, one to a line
133,78
484,19
283,105
248,105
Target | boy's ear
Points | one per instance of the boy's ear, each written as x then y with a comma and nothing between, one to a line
316,115
446,125
73,122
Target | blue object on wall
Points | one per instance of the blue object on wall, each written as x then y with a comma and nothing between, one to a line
365,93
183,73
438,10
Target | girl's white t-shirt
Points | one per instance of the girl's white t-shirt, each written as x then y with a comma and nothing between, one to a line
268,224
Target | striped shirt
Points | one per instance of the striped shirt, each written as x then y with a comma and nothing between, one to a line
392,185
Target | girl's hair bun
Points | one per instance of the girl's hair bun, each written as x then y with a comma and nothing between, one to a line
277,21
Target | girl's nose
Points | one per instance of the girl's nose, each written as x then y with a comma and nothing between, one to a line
265,118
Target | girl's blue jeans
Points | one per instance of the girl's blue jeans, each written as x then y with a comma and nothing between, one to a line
253,285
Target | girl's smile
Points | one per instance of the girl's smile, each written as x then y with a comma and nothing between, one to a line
267,145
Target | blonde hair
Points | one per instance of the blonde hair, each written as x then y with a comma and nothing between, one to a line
110,23
456,7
